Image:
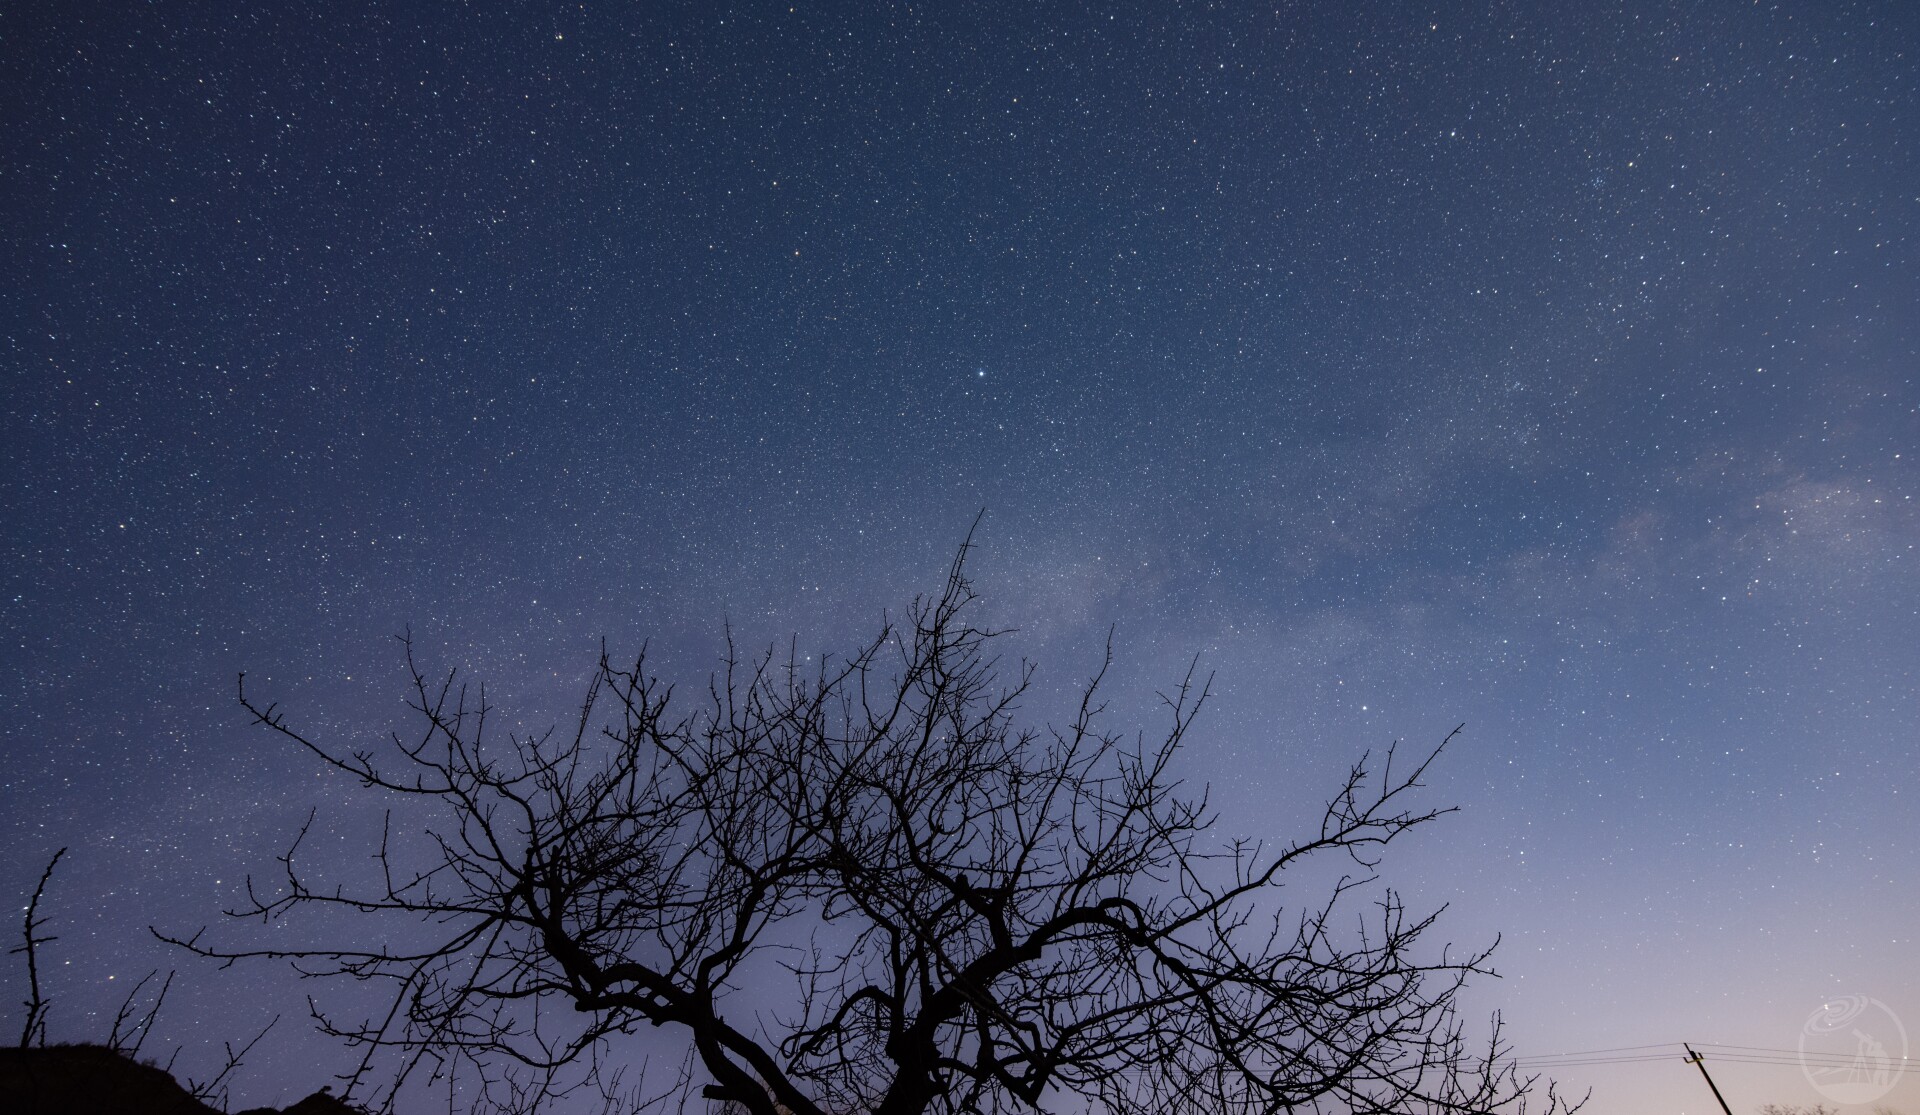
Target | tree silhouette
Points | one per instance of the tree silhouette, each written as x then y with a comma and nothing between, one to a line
975,916
35,1030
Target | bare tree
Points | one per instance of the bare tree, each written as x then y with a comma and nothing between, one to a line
977,915
35,1030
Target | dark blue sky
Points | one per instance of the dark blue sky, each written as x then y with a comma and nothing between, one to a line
1548,368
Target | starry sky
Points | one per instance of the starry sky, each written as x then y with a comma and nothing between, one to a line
1545,368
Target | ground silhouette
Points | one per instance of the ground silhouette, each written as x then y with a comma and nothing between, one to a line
97,1080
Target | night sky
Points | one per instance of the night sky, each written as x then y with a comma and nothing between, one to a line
1547,368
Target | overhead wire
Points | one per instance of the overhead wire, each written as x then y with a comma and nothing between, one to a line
1736,1054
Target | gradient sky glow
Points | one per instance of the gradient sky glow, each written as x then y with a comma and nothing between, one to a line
1545,367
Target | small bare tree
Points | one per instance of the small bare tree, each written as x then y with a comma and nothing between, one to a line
977,915
35,1030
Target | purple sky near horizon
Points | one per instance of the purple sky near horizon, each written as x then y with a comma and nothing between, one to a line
1545,368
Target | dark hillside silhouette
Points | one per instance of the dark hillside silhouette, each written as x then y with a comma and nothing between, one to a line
96,1080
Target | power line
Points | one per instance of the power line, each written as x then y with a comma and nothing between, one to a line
1615,1049
1738,1054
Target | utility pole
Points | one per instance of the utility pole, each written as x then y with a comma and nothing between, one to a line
1695,1059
